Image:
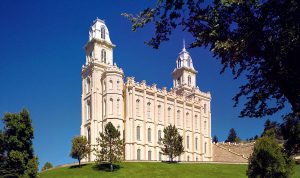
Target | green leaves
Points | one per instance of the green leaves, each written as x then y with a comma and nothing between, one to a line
110,145
172,142
80,148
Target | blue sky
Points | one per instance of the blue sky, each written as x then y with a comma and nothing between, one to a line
41,54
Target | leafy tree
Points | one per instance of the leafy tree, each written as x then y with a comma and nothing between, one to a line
215,139
16,150
290,130
232,136
111,146
172,142
46,166
269,159
80,148
260,39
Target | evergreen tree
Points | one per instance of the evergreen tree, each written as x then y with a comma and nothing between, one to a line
111,146
232,136
16,148
172,142
215,139
269,159
46,166
80,148
290,130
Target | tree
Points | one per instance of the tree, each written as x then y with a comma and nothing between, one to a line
215,139
172,142
111,146
290,130
232,136
80,148
269,159
16,150
46,166
260,39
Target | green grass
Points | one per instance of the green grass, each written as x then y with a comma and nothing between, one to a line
144,170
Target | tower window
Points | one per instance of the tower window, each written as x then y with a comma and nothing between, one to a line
187,142
104,107
204,108
178,81
196,122
189,80
118,106
88,85
103,32
159,136
103,55
196,143
187,120
111,105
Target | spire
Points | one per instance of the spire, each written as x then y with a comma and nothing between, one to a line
183,49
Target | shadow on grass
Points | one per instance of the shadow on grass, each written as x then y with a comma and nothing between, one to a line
77,166
170,162
106,167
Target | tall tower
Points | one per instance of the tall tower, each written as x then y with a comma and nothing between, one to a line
102,83
184,75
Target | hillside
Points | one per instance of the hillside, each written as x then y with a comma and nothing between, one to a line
144,170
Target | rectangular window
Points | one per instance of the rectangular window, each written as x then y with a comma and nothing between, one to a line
196,143
149,155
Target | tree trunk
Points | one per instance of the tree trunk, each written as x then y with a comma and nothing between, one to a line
79,162
111,167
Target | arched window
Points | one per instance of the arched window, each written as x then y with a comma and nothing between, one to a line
187,142
149,134
111,105
205,144
137,105
196,122
104,86
103,32
89,135
169,115
159,156
196,143
187,120
204,108
118,106
88,85
159,112
138,154
178,80
103,55
188,158
205,125
138,133
159,136
149,155
178,118
118,83
88,110
189,80
149,110
104,107
110,84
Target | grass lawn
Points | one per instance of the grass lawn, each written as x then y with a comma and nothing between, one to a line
144,170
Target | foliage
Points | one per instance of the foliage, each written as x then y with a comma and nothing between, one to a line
290,130
80,148
46,166
172,142
232,136
269,159
260,39
215,139
16,150
111,146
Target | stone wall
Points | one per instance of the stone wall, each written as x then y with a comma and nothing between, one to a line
232,152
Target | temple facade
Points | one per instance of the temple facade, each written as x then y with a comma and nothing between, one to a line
141,111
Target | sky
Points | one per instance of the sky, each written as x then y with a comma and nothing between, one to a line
41,55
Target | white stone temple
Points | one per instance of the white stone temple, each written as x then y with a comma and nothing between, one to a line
139,111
